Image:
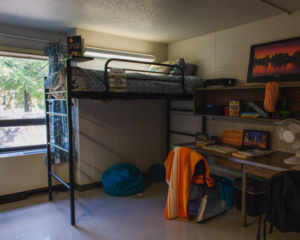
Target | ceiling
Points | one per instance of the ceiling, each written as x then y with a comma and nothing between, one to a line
162,21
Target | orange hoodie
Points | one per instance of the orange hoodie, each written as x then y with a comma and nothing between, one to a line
180,168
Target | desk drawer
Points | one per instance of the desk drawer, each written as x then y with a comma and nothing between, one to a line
258,171
228,163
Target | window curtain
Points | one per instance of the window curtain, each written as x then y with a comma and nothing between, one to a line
58,125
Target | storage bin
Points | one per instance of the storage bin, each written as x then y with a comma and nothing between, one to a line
229,191
255,192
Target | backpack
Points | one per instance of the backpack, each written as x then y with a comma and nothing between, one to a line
282,201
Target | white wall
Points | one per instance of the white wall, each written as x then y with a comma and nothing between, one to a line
108,41
22,173
133,132
226,54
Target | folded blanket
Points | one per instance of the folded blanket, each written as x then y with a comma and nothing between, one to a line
52,80
56,82
180,168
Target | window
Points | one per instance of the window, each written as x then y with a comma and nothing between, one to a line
22,110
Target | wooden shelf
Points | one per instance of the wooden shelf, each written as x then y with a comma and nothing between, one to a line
221,97
281,85
229,88
240,118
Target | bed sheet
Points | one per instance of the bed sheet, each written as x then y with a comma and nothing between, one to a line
93,80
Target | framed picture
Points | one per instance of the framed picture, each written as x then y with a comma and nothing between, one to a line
275,61
200,137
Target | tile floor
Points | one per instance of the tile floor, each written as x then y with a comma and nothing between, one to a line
99,216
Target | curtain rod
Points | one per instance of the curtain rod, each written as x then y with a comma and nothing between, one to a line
31,39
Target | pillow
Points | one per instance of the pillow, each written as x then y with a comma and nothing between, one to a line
190,69
157,68
180,62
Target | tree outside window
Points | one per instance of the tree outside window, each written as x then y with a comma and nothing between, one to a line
22,98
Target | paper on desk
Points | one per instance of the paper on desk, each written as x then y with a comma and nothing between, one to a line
221,149
190,146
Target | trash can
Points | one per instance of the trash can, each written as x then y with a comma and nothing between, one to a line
255,192
229,191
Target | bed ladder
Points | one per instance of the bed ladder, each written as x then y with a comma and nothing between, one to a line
68,115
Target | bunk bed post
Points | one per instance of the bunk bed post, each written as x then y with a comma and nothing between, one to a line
168,125
48,146
105,75
70,138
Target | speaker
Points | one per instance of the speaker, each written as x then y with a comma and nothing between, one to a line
220,82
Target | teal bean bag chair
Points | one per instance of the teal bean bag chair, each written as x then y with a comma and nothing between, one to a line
123,179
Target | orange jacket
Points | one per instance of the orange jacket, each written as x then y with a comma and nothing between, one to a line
180,168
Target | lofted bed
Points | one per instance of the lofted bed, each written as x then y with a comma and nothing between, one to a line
74,82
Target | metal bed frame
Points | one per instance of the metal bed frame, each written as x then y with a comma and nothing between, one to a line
99,95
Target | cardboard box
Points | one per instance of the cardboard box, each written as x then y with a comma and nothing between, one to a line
235,108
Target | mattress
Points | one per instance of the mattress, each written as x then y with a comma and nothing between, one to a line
93,80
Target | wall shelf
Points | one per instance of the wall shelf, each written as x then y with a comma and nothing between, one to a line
221,97
281,85
229,88
240,118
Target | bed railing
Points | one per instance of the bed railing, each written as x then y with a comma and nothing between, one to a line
143,71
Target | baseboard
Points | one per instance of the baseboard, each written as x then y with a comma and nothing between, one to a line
90,186
14,197
87,187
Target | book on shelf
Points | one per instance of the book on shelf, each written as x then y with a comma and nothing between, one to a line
251,115
252,153
75,46
205,143
257,109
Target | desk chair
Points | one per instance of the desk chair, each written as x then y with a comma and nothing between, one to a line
200,170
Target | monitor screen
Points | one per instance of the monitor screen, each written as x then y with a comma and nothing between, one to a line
256,139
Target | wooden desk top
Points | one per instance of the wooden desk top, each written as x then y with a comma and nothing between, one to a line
272,162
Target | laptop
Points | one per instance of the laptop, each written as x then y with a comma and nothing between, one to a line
253,139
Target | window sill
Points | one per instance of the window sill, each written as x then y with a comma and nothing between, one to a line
22,152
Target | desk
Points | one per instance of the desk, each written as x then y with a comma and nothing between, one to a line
265,166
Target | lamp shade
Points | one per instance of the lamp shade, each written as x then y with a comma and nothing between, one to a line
107,53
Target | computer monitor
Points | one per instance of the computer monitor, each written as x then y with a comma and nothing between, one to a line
254,139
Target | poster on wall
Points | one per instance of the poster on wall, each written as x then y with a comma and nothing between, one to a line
275,61
117,80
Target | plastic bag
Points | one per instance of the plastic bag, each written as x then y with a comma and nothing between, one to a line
271,96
